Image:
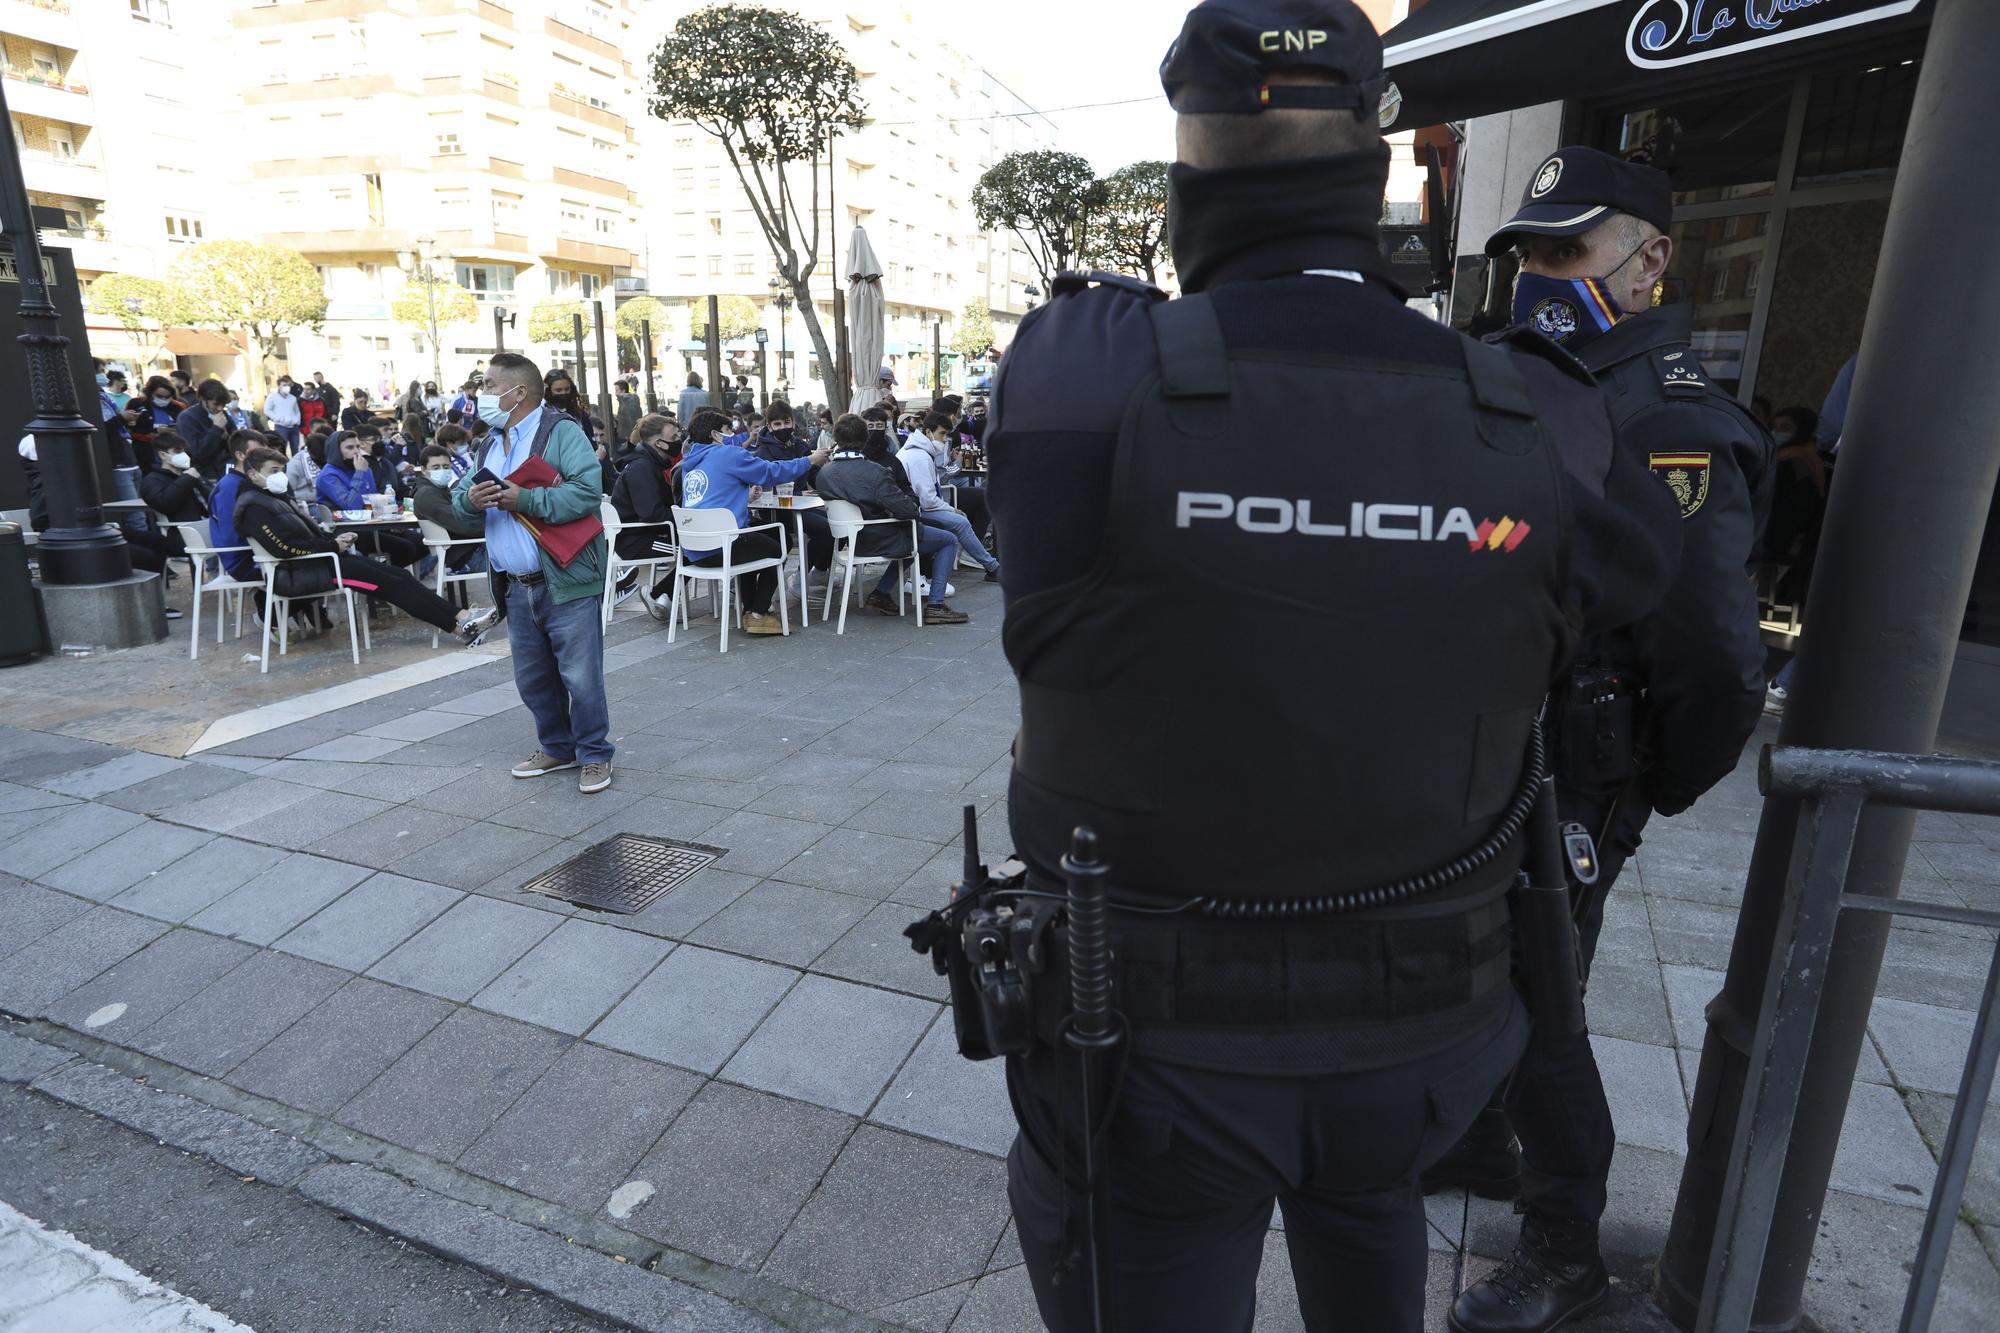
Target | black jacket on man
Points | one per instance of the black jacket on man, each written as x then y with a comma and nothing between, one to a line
868,486
645,492
277,525
1699,653
207,443
182,497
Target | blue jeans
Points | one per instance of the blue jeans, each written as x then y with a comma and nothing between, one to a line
125,481
1784,680
959,526
943,551
290,435
559,669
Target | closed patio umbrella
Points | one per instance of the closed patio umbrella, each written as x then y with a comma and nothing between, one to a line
864,320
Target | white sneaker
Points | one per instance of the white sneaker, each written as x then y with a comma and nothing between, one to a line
1774,700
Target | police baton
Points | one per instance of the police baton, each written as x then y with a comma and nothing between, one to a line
1548,935
1095,1038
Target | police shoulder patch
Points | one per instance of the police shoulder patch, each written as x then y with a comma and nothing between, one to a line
1686,475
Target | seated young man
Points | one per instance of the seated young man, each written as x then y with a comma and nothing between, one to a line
924,458
431,489
868,485
266,513
715,475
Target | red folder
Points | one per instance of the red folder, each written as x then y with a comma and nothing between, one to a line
564,542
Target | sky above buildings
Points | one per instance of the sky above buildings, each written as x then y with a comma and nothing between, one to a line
1067,53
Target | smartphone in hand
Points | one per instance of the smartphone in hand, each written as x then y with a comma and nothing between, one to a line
486,474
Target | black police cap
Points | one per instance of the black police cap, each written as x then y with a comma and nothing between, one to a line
1228,49
1577,189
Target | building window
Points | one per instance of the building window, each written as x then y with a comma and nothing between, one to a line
745,268
183,230
607,224
453,205
1718,286
588,284
507,210
333,342
715,266
486,281
448,145
1751,277
158,12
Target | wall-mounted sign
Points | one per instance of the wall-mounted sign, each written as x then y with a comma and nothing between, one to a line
1665,33
8,273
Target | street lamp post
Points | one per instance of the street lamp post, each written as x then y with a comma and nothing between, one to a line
418,263
783,301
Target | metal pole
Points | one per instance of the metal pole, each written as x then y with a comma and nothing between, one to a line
79,547
1917,470
577,380
1975,1086
937,359
499,331
763,380
784,344
604,412
714,349
430,306
843,360
646,361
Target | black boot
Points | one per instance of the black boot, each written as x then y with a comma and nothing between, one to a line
1554,1275
1484,1161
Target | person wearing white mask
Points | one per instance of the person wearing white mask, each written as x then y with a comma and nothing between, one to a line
281,409
206,428
173,488
430,491
926,457
267,514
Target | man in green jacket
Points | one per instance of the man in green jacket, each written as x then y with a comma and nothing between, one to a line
554,618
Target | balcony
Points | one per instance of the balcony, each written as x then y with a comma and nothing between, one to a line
50,97
361,238
578,37
51,21
573,104
486,243
596,184
569,251
55,174
92,250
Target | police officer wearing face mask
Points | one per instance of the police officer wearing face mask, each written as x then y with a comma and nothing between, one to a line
1305,809
1649,717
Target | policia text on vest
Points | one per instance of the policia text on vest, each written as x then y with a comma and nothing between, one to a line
1370,522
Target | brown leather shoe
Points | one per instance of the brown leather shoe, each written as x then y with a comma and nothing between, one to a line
881,603
937,613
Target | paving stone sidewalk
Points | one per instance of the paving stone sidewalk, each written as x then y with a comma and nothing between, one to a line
757,1071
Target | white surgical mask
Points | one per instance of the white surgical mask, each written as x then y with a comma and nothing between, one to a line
277,483
490,410
180,460
442,476
163,398
218,417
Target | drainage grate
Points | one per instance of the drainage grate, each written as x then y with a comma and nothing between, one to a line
626,874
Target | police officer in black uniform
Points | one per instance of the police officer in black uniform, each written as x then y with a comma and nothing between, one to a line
1649,717
1291,569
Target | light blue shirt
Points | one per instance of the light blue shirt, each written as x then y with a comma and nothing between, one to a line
510,547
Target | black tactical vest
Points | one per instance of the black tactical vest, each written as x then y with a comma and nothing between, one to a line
1327,609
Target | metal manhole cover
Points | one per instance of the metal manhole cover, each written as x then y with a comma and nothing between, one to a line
625,874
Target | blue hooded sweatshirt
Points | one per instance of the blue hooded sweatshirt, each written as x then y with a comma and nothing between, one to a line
719,476
222,524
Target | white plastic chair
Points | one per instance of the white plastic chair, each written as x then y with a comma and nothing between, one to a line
705,530
194,537
440,543
279,609
844,518
616,565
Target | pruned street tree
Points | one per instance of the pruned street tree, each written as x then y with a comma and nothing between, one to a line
1130,235
259,291
974,336
773,90
646,310
737,316
553,323
143,307
1045,197
431,304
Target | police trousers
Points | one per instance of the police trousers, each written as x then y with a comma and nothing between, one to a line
1198,1159
1556,1100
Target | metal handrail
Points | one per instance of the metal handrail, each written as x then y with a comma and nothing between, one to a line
1837,785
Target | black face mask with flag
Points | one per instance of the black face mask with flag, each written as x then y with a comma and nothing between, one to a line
1569,311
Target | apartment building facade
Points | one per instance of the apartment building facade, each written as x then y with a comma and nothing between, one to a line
489,142
937,120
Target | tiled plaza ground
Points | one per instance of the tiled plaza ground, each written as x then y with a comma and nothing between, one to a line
757,1071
